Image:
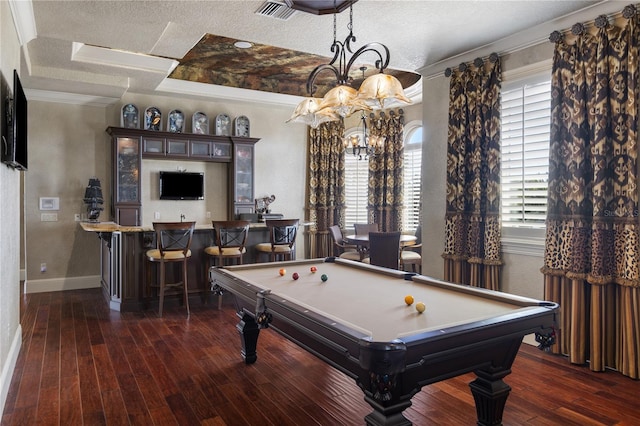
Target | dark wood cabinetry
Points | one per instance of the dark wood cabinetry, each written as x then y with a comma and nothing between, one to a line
130,146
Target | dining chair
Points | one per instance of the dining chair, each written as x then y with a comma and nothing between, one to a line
412,254
173,245
282,238
344,251
365,228
384,249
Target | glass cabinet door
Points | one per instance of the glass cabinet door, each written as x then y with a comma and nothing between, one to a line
127,173
243,173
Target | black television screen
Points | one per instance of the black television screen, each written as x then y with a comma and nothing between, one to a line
14,142
181,186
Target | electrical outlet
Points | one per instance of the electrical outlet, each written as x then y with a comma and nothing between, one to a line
156,215
76,217
43,267
208,215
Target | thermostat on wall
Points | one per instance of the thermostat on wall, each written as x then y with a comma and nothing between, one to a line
49,203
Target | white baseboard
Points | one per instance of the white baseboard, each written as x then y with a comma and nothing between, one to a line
61,284
9,366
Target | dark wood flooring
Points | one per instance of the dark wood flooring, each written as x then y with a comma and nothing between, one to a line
81,364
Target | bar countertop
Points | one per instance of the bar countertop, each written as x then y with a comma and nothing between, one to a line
114,227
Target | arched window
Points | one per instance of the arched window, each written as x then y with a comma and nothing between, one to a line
412,175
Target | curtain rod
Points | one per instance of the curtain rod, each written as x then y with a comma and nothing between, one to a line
478,62
601,21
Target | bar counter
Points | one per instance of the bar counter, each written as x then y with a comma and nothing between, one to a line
129,281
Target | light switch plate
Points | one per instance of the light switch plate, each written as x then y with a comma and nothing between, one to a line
50,203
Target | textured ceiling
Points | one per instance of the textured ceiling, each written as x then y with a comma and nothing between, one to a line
197,34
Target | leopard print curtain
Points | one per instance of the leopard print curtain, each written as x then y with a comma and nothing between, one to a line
326,189
386,172
592,254
472,247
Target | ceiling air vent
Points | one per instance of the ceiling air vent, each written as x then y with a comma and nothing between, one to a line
275,9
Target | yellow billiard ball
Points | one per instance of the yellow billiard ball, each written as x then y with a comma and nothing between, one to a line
420,307
408,300
282,272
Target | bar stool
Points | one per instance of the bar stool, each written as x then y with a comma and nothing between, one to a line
282,236
230,239
173,242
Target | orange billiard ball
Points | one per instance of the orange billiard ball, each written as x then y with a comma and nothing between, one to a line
314,269
282,272
295,276
408,299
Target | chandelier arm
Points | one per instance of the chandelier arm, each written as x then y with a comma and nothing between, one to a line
381,63
314,74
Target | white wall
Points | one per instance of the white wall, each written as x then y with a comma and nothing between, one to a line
10,331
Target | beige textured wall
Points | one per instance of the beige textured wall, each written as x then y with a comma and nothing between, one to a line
10,245
521,274
67,146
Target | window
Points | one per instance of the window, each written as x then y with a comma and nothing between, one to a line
356,189
525,115
412,177
357,181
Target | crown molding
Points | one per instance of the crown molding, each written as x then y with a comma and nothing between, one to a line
69,98
24,20
524,39
81,52
209,91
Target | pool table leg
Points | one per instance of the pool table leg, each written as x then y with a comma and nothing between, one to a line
249,331
490,394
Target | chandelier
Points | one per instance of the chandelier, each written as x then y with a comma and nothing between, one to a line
343,100
363,144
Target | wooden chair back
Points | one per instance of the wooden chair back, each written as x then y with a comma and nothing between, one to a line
282,232
173,239
230,234
365,228
384,249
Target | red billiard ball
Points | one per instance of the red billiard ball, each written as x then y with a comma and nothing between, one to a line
295,276
314,269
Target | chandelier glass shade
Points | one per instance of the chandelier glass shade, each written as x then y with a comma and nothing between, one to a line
308,112
343,100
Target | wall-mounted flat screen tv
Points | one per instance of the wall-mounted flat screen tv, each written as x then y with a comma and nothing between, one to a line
14,134
181,186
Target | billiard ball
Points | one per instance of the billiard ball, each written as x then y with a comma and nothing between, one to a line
282,272
295,276
408,300
420,307
314,269
324,277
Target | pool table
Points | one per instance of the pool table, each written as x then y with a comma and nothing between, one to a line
357,320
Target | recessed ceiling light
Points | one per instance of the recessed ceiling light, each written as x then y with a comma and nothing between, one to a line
242,44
